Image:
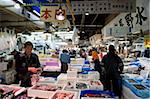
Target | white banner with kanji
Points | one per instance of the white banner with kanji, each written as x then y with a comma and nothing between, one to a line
50,13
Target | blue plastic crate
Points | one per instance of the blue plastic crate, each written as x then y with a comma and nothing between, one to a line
143,93
86,62
127,83
84,72
97,92
87,69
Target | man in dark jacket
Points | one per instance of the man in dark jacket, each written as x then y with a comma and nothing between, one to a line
113,66
27,64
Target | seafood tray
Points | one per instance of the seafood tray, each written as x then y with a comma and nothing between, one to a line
95,85
64,95
43,90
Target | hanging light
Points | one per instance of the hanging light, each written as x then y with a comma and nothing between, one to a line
17,6
87,13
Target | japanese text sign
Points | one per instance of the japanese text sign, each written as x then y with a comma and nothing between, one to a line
49,13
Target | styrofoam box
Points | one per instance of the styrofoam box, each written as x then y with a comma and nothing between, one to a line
3,66
40,93
47,80
78,67
71,86
83,77
62,76
95,86
62,82
21,89
8,75
72,73
77,61
76,95
93,75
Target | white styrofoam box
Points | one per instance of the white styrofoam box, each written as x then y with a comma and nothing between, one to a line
89,58
95,85
70,85
47,80
62,76
3,66
83,77
144,73
41,93
72,73
78,67
52,68
126,60
61,82
81,84
132,76
131,68
93,75
77,61
9,75
75,94
62,79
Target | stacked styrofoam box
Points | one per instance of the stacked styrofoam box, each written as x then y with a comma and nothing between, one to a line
93,75
3,66
72,73
77,61
76,66
9,76
62,79
83,77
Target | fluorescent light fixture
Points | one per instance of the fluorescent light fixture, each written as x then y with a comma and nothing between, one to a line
17,6
83,32
87,13
36,12
21,1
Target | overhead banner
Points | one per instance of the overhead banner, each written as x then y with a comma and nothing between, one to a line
52,13
103,6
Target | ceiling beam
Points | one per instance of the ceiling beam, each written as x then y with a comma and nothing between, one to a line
110,17
71,11
82,21
94,19
89,25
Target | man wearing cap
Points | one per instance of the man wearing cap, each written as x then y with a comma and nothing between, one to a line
113,66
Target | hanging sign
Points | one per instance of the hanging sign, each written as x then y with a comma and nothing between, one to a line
52,13
147,41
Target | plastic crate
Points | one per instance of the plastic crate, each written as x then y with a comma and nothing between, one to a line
82,94
86,62
87,69
143,93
